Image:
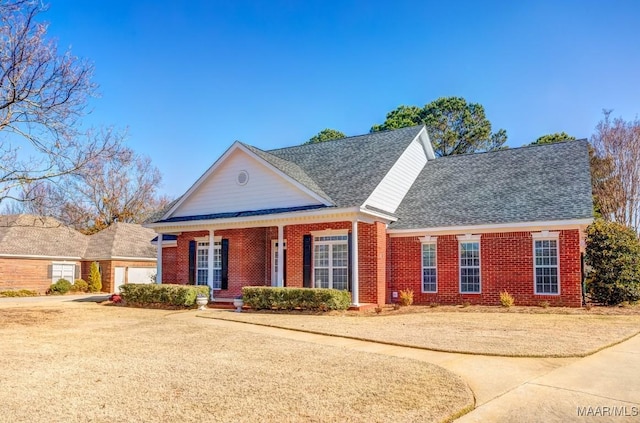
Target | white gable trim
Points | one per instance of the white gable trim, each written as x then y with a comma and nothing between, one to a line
400,177
493,228
238,146
426,144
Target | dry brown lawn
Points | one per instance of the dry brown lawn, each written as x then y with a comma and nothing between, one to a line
86,362
533,332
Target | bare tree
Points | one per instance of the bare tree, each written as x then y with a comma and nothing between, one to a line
42,95
618,143
121,189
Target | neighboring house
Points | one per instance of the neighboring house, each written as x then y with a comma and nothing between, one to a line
378,213
125,254
37,251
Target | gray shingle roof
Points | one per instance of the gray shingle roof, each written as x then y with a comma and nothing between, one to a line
349,169
535,183
26,234
121,240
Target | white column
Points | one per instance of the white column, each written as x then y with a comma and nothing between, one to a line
210,262
280,275
159,260
355,286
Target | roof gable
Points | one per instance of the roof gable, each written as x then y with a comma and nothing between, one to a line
121,240
267,182
348,170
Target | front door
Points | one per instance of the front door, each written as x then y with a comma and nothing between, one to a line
274,263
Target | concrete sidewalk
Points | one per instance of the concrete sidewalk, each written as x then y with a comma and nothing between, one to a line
602,387
510,389
47,300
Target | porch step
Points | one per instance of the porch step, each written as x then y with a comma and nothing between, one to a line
363,307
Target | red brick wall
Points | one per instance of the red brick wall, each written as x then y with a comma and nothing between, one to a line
506,265
247,258
372,252
169,270
31,274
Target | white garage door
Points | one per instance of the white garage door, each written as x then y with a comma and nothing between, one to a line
141,274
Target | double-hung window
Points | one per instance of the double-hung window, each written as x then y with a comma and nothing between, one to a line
429,270
202,261
546,271
470,281
331,262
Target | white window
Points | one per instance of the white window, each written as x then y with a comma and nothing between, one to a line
429,271
202,264
470,282
546,271
63,271
331,262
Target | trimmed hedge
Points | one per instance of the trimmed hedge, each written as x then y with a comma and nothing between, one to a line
270,298
166,294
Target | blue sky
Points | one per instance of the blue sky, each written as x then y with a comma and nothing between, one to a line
190,77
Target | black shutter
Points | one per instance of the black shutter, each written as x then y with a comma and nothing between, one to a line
306,261
349,257
225,264
192,262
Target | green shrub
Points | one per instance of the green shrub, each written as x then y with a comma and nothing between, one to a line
613,252
61,287
95,280
165,294
506,299
406,297
261,298
19,293
80,285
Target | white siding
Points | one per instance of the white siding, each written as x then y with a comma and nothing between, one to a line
391,190
221,193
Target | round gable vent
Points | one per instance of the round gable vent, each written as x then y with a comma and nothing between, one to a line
243,177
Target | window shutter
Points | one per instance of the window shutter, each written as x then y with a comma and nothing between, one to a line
78,275
349,257
306,261
192,262
224,253
50,271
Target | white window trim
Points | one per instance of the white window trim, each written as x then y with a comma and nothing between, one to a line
331,243
544,236
467,238
217,245
65,263
428,241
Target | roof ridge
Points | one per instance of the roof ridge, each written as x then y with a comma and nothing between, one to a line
504,150
305,144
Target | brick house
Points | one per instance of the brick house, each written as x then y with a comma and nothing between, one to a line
378,213
36,251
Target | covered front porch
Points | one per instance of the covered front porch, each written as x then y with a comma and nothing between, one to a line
345,251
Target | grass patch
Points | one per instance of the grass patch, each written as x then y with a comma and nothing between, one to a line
492,333
139,365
